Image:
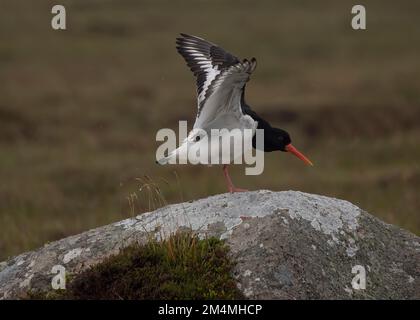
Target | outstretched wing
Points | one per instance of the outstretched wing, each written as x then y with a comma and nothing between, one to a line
221,76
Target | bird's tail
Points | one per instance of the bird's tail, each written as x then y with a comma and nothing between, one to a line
169,159
163,161
179,154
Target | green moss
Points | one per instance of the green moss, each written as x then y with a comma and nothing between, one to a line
181,267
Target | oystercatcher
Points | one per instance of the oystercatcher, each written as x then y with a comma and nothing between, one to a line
221,79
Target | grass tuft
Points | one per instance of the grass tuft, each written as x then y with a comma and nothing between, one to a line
180,267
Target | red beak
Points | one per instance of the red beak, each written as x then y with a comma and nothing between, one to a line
292,149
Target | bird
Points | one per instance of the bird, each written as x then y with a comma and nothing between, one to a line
221,78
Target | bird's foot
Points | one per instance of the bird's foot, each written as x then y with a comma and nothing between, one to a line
233,189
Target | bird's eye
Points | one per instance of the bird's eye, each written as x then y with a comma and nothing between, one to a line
197,138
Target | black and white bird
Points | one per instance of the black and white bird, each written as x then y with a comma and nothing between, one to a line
221,79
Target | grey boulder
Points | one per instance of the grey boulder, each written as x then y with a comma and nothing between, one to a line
286,245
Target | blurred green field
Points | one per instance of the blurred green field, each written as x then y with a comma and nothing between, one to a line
79,109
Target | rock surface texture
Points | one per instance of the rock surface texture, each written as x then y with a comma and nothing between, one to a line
287,245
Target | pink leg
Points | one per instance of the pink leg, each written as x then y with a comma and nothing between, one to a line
230,185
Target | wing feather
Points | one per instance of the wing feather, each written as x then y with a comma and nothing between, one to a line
219,75
225,92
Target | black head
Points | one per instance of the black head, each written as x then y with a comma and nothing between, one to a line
279,140
276,140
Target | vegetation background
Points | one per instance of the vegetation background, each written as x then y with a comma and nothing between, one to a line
79,109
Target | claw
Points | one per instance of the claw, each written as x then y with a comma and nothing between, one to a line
234,189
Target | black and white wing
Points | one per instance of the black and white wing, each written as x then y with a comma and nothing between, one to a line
221,76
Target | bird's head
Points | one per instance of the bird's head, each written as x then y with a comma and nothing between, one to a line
278,139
